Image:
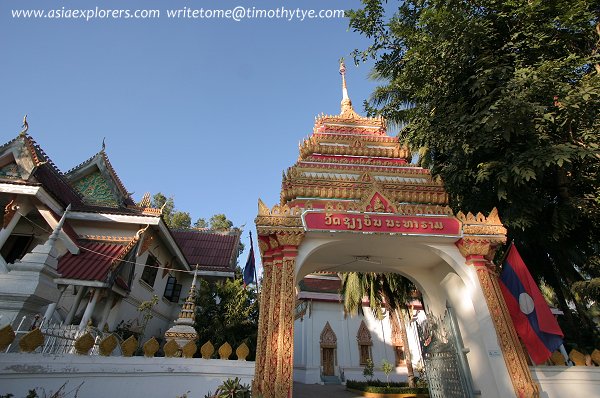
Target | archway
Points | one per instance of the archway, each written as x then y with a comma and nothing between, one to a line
352,202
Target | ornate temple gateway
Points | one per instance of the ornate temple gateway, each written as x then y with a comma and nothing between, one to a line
353,202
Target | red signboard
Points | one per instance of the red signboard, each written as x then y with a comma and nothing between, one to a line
383,223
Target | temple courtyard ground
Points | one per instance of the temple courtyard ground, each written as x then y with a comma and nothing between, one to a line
317,390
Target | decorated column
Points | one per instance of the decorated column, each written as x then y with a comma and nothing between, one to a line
279,238
285,360
261,344
482,237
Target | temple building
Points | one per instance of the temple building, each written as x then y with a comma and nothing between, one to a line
331,346
76,249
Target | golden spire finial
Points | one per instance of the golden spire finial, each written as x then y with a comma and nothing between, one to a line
25,126
346,103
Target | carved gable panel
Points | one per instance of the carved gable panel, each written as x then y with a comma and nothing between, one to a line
328,337
96,190
363,336
10,171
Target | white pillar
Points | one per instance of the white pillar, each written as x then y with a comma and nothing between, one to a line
52,306
73,310
106,310
22,209
89,309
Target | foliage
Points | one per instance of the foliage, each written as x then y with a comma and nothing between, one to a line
231,388
378,386
227,312
182,220
369,369
145,308
173,218
60,393
387,368
219,222
503,98
201,224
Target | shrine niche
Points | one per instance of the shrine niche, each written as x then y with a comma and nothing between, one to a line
353,202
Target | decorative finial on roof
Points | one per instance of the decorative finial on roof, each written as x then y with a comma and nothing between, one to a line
103,144
145,202
139,233
346,103
25,126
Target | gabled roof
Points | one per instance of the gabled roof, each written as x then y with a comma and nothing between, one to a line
44,171
57,185
98,171
95,261
317,285
210,251
38,169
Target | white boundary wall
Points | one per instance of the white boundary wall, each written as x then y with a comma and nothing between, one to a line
133,377
562,381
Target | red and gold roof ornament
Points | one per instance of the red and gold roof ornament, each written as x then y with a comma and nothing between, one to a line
351,164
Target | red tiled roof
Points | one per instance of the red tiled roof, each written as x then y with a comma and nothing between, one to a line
92,263
57,185
320,285
209,250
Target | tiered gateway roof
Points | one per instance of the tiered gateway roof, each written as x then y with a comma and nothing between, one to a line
348,157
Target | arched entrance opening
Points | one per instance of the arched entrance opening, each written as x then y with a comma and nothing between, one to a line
353,202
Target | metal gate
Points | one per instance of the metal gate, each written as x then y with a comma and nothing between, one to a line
444,357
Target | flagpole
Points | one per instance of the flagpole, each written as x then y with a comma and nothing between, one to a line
255,275
511,244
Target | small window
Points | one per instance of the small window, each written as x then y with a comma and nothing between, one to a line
365,353
400,357
16,247
150,270
172,290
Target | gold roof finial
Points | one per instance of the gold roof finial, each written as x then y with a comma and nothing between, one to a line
346,103
25,126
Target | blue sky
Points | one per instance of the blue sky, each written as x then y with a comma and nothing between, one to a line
207,111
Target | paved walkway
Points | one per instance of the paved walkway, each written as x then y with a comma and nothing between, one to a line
317,390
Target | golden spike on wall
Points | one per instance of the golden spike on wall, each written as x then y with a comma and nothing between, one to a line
263,210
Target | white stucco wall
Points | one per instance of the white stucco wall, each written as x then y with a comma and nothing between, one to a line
135,377
562,381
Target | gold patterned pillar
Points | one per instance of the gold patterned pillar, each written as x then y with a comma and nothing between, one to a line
285,358
265,298
477,252
272,343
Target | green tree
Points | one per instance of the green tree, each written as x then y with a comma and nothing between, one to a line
172,217
181,219
227,312
220,222
502,98
387,293
201,223
387,368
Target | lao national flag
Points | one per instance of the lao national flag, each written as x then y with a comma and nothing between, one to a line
249,269
535,324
